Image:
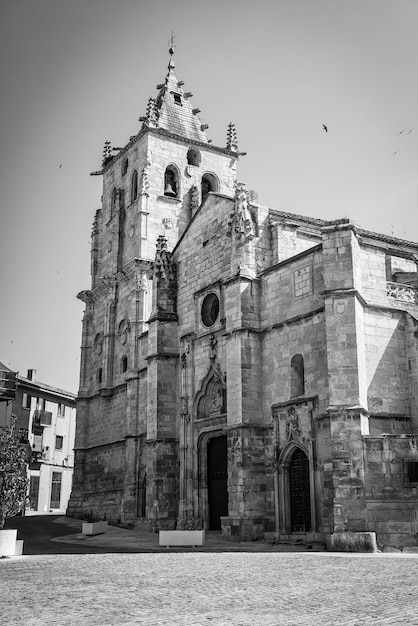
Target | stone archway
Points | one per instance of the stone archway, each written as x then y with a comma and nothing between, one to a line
295,490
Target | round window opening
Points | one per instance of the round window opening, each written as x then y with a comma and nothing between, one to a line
210,309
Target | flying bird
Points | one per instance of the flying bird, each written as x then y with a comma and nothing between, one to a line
402,131
325,128
61,166
396,152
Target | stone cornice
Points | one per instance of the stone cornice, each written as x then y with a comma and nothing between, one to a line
291,259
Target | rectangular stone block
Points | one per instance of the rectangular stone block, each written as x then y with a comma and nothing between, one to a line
94,528
181,538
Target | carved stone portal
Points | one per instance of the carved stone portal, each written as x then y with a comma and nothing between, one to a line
211,399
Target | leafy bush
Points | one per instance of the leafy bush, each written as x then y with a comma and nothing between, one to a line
13,476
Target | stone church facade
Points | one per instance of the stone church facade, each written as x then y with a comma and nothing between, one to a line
243,369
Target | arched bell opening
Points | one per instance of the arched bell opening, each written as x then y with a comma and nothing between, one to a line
171,182
209,184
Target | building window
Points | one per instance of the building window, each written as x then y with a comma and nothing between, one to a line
171,182
412,471
61,409
56,490
99,375
210,309
124,364
209,183
177,98
59,442
26,401
297,376
134,186
33,493
125,167
193,156
40,404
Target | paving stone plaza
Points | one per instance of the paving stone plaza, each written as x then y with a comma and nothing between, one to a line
193,589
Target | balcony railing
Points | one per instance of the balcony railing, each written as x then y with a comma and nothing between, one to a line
42,418
399,291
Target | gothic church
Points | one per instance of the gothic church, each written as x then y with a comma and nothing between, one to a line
243,369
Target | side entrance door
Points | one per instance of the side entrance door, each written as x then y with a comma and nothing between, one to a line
217,481
300,500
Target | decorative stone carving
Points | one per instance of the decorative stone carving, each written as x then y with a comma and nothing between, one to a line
141,281
123,331
231,138
292,424
211,399
240,222
213,343
144,185
163,267
401,292
194,197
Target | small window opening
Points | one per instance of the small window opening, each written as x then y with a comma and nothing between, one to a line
177,98
59,442
125,167
99,375
208,184
171,182
297,376
134,186
193,156
124,364
412,469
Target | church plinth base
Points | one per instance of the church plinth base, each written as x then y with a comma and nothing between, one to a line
243,529
190,523
351,542
155,525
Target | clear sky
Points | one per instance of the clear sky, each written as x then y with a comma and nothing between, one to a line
75,73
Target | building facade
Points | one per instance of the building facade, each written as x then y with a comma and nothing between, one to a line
243,368
43,418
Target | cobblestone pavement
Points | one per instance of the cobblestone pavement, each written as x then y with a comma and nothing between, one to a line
198,589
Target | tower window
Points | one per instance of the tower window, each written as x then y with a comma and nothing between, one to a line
125,167
177,98
210,309
193,156
297,376
124,364
134,186
99,375
171,182
209,183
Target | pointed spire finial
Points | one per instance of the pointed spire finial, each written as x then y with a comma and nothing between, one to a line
171,45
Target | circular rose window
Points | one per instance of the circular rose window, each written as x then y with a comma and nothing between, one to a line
210,309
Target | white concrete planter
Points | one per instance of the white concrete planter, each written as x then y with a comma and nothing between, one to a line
182,538
94,528
8,542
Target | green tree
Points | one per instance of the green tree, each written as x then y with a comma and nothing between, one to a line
13,476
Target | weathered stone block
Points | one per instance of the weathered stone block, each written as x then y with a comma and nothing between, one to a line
351,542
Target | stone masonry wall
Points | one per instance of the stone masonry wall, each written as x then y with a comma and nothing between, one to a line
392,498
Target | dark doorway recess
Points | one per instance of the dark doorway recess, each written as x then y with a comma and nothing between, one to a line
300,501
217,481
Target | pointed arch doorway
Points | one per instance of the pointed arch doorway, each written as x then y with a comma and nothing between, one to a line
299,492
217,480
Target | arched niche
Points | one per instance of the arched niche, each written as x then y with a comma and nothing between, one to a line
210,401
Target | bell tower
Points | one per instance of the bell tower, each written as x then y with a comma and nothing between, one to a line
154,185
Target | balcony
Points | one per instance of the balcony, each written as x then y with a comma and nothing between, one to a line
399,291
42,418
